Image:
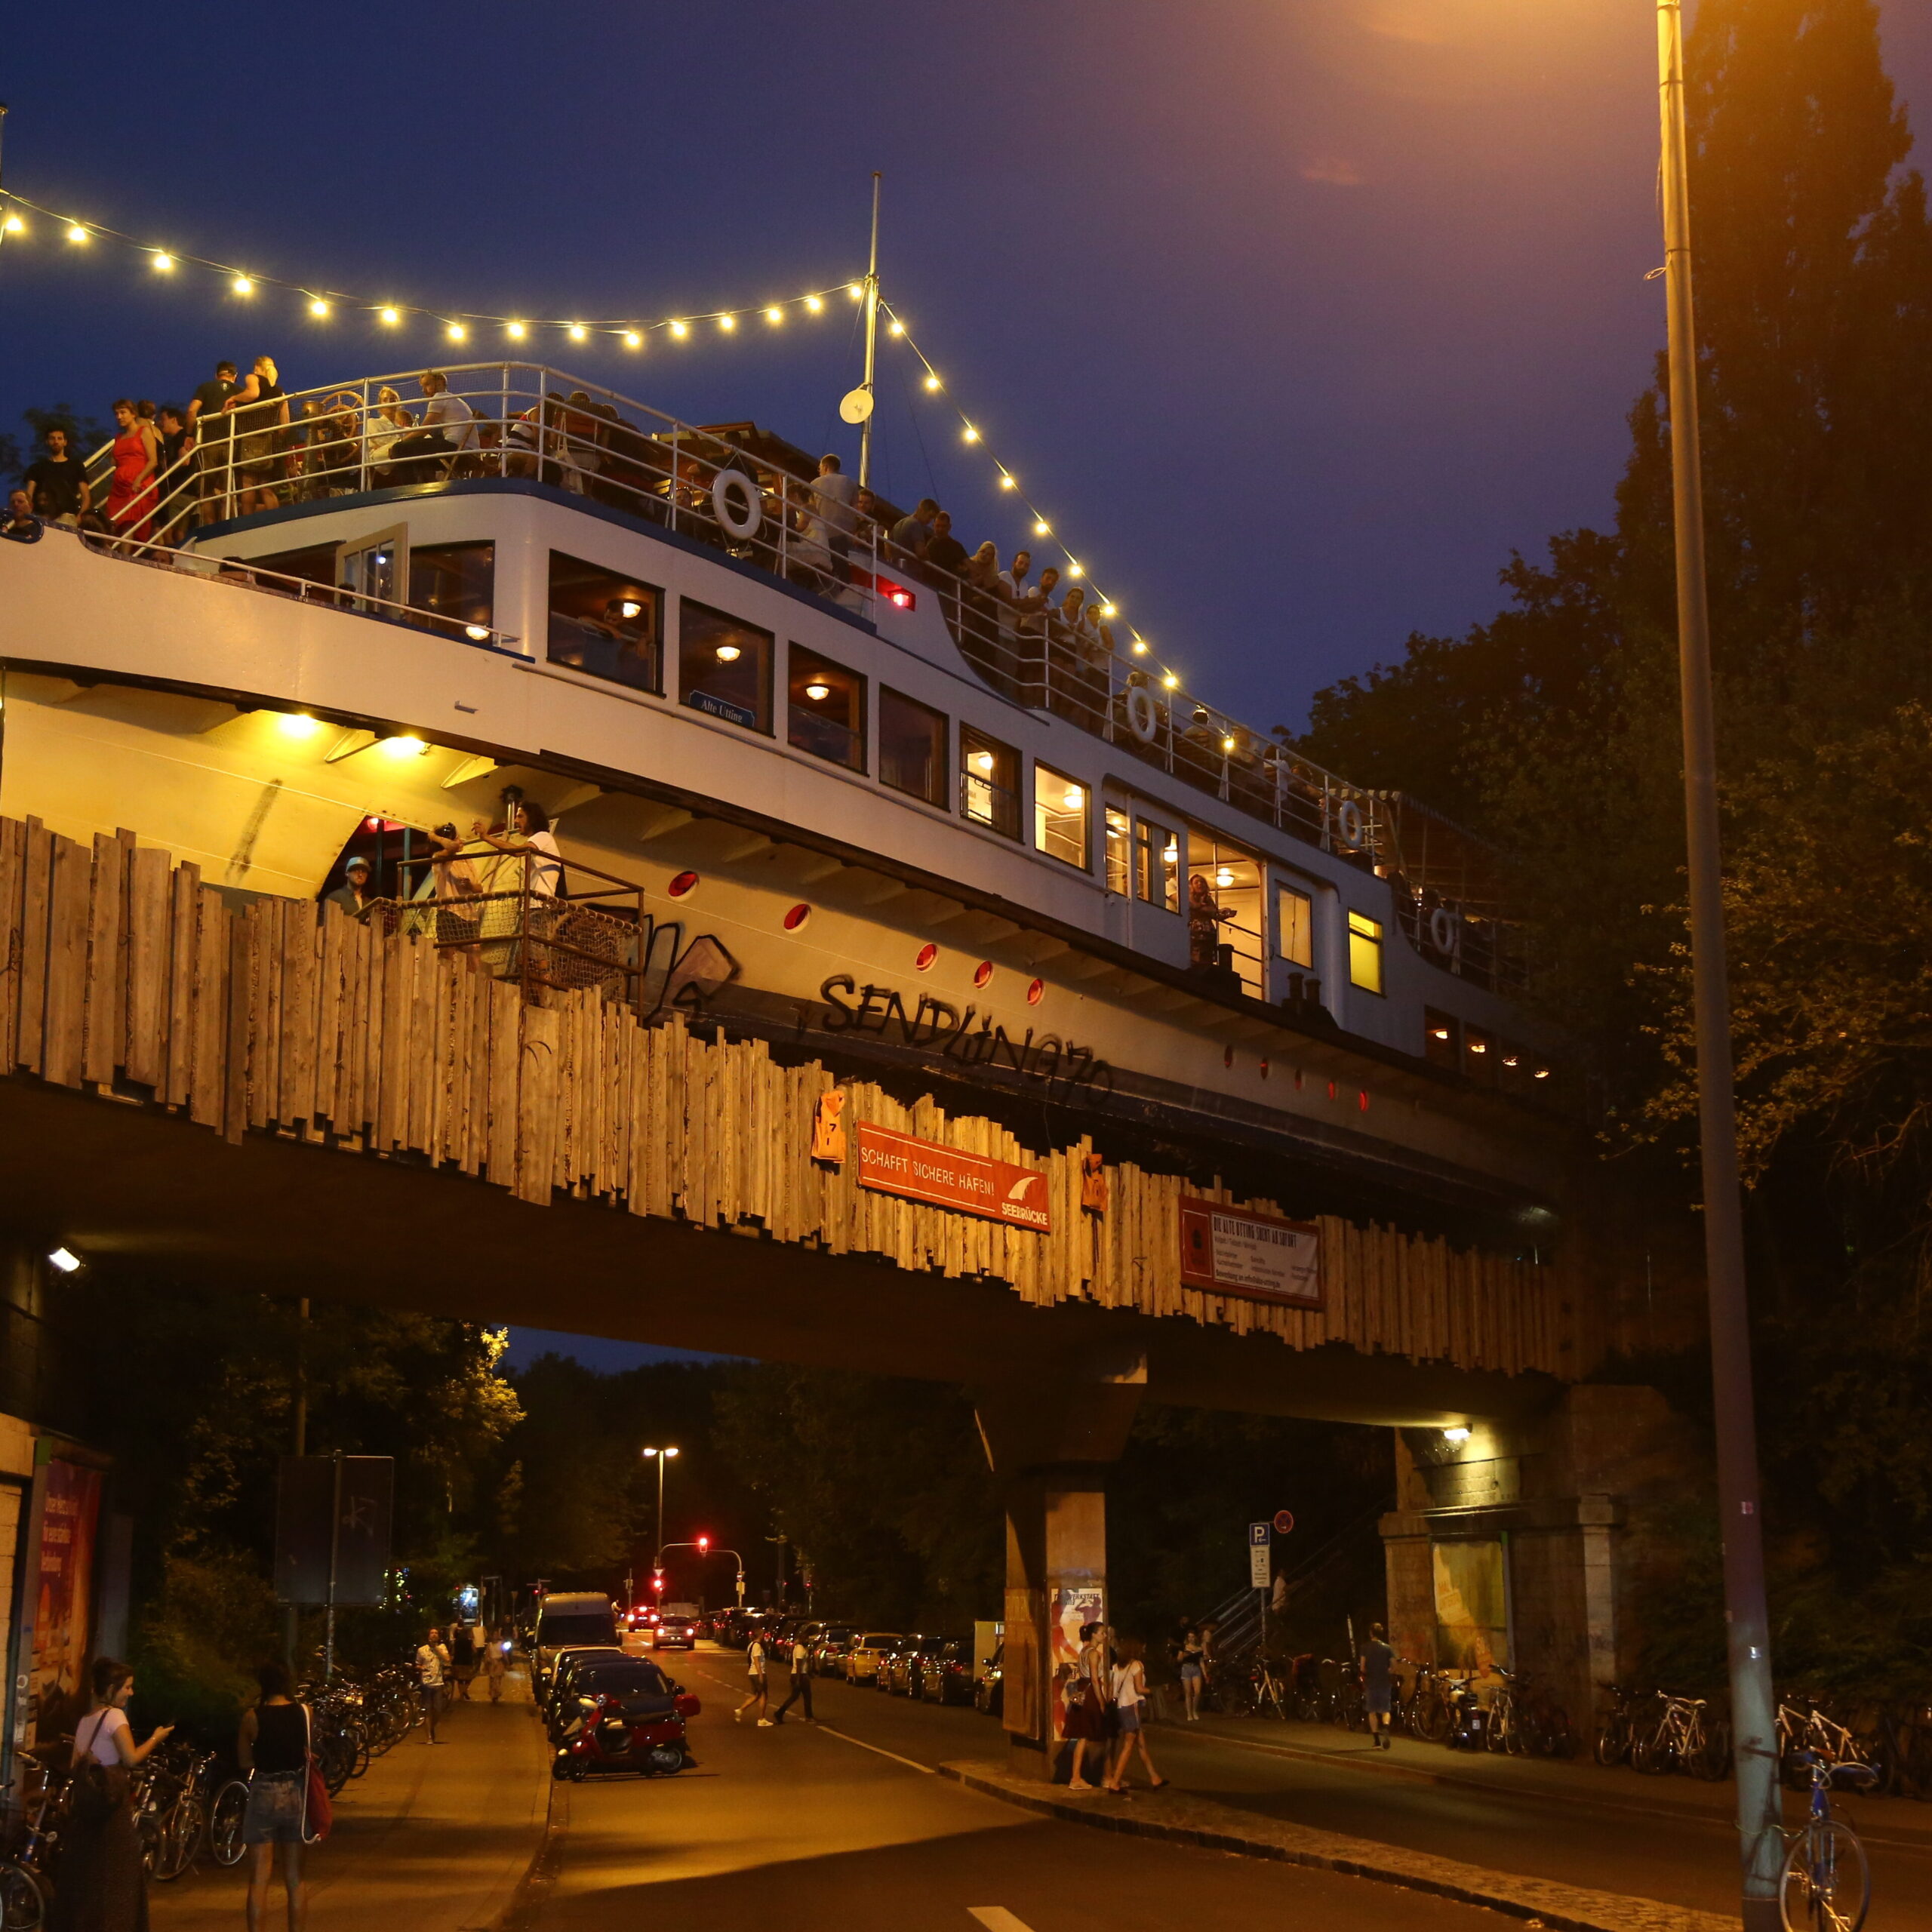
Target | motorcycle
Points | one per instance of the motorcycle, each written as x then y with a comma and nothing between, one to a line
1469,1722
643,1735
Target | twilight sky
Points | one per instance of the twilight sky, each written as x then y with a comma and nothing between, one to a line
1295,315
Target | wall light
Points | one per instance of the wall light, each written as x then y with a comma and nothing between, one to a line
817,691
727,654
297,724
629,608
476,633
1458,1434
66,1260
405,746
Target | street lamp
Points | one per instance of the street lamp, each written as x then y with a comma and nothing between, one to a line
663,1457
1753,1705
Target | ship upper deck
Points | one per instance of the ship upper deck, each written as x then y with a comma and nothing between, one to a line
701,617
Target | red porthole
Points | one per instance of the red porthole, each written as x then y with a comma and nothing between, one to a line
1036,992
1227,1055
1361,1101
1264,1069
983,973
797,917
922,960
681,884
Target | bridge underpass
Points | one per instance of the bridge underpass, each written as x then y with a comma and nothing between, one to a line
266,1099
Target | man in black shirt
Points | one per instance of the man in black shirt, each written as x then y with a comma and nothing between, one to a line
212,430
944,551
58,483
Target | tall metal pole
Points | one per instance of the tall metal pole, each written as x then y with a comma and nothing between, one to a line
292,1617
1754,1710
871,340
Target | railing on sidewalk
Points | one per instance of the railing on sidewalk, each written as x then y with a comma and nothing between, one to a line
751,497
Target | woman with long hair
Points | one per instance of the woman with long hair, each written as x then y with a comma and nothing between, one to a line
272,1747
103,1885
131,496
1129,1687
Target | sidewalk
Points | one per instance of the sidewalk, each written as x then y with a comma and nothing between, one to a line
435,1839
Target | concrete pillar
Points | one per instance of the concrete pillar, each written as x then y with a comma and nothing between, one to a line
1050,1442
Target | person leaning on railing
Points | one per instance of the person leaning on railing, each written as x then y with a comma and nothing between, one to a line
448,426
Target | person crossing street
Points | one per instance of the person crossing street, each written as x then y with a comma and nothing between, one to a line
801,1684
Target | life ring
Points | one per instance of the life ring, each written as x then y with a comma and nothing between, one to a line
1142,719
744,527
1348,823
1443,932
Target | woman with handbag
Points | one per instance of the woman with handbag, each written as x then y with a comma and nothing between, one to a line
1085,1698
273,1749
102,1885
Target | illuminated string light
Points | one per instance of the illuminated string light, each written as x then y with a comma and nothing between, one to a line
855,290
391,317
457,333
632,339
972,435
579,333
318,307
514,331
244,285
932,382
814,303
774,314
1074,569
1109,611
897,329
1005,481
1041,528
727,322
678,329
77,233
14,225
164,263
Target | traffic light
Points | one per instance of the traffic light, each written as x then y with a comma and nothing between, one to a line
704,1545
657,1581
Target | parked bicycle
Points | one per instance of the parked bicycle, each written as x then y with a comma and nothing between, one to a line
1826,1883
1804,1731
1523,1722
26,1883
1684,1736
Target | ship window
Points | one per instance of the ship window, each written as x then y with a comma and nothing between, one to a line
457,582
989,781
1442,1039
1294,927
1059,816
1156,864
313,566
1364,952
828,709
606,625
724,666
1229,879
1117,852
911,746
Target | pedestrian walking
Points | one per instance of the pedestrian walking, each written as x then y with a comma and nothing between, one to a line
496,1662
801,1684
756,1661
1084,1696
432,1659
1129,1690
272,1748
103,1882
1193,1674
462,1660
1378,1658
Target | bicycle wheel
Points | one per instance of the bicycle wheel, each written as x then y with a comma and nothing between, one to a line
1827,1884
226,1816
1612,1742
181,1837
1708,1756
1650,1751
22,1904
1432,1719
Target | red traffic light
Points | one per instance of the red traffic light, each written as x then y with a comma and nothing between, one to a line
703,1544
657,1581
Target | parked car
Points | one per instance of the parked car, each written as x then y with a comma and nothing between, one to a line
989,1688
571,1617
569,1665
676,1628
627,1678
946,1672
902,1667
863,1661
829,1653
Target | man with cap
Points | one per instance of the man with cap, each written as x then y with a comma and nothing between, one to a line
353,895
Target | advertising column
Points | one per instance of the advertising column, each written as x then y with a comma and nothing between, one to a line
57,1608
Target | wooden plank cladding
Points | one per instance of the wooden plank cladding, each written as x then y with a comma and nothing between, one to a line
123,971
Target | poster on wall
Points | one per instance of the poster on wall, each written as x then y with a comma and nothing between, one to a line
64,1600
1073,1605
1472,1605
1232,1251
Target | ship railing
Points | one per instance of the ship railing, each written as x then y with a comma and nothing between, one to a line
239,574
524,421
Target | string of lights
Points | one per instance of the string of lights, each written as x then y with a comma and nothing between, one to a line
20,215
971,432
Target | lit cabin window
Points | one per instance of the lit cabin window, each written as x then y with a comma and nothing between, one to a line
1294,927
1119,853
1156,864
827,706
458,583
989,781
605,624
724,666
1059,816
1364,952
911,746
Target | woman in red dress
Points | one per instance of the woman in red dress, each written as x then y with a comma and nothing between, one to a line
131,497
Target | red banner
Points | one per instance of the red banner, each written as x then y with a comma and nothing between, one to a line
63,1634
1235,1252
923,1170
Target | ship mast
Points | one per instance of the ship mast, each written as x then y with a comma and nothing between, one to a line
872,342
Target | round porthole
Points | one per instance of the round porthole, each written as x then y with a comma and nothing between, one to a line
683,883
983,973
1227,1055
1036,992
922,960
797,917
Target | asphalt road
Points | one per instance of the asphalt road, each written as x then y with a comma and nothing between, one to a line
833,1799
824,1828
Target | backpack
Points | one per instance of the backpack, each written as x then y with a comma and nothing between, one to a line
96,1791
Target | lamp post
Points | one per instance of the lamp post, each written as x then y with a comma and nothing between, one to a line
662,1456
1754,1709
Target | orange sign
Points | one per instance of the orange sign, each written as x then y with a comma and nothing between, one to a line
923,1170
1261,1256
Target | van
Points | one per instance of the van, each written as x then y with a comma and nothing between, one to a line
573,1618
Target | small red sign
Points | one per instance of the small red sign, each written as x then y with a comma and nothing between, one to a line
1285,1522
896,1163
1232,1251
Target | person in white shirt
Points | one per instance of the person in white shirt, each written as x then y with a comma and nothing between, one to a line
837,496
1130,1698
801,1684
757,1659
432,1658
448,424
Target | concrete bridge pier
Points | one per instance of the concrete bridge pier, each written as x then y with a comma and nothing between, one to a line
1050,1442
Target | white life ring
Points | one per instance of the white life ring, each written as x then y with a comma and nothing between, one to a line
1348,823
744,527
1143,720
1444,929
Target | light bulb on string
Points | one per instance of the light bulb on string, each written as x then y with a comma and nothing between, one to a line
457,333
677,329
1006,482
14,225
578,332
319,308
1040,527
774,314
390,318
1140,647
514,331
632,339
727,322
243,286
1073,569
1170,681
897,329
77,233
932,382
854,290
971,435
813,302
164,262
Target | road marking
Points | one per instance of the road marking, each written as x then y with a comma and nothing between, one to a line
996,1918
911,1764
